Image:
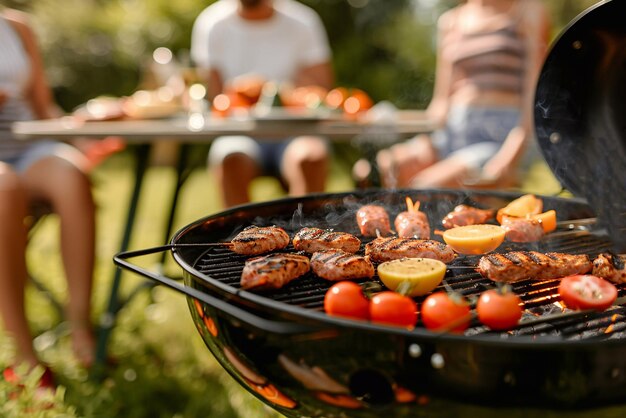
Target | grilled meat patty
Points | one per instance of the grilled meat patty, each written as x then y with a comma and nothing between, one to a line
463,215
255,240
532,265
610,267
340,265
317,239
385,249
273,271
373,220
412,224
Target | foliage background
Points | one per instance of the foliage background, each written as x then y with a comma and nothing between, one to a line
102,47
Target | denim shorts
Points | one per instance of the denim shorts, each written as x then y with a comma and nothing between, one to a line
35,152
475,133
267,154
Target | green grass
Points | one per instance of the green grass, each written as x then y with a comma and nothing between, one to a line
163,368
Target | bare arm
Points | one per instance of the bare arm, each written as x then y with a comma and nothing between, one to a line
439,105
39,93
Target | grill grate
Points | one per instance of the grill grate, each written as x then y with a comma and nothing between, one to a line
543,311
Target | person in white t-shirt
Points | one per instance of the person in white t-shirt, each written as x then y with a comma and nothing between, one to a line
282,41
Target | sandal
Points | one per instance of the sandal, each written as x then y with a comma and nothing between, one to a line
46,381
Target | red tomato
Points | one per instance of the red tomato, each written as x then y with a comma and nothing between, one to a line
346,299
584,291
444,312
393,309
499,310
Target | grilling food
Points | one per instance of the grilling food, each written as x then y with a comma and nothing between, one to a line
391,308
412,223
385,249
610,267
522,207
255,240
464,215
373,221
585,291
346,299
532,265
443,311
412,276
522,229
311,240
474,239
499,309
273,271
340,265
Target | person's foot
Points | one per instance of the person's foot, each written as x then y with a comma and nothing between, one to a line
83,345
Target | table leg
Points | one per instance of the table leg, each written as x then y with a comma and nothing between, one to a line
182,174
107,320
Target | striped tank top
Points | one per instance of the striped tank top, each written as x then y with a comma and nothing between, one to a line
490,57
14,78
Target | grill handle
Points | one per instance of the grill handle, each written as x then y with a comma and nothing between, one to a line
241,315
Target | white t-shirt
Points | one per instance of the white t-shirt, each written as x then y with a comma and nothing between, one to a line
275,49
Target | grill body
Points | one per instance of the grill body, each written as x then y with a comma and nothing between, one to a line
370,369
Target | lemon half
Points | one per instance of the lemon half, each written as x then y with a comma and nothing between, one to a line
419,275
474,239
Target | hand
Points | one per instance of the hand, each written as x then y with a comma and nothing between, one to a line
502,166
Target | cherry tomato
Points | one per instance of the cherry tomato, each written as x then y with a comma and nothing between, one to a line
346,299
393,309
499,309
584,291
444,312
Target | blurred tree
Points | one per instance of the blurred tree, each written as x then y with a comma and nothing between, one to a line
102,47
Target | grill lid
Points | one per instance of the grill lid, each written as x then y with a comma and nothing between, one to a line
580,112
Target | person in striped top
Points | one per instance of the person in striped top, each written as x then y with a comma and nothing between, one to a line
489,56
33,172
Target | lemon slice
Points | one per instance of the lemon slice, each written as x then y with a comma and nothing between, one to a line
418,275
474,239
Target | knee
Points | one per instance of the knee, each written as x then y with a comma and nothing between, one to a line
307,151
10,182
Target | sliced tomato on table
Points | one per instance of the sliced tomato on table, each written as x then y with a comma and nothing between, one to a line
585,291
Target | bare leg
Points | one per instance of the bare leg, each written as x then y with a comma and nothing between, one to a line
234,176
449,172
305,165
13,273
68,189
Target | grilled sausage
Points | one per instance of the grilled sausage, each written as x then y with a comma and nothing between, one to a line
340,265
463,215
373,220
316,239
273,271
610,267
385,249
412,224
531,265
522,229
255,240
